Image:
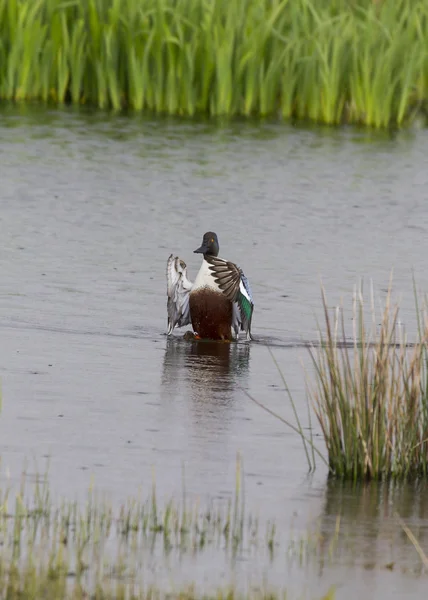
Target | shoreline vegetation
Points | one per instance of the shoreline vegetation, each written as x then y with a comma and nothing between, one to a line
358,62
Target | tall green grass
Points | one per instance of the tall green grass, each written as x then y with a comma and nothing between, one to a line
329,61
371,395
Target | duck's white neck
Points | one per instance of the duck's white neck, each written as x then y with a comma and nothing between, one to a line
205,278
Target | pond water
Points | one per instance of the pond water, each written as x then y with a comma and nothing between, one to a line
91,207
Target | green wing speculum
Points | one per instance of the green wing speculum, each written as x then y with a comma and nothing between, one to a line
234,285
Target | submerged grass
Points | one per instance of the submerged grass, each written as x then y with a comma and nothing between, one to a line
414,541
78,551
330,61
371,395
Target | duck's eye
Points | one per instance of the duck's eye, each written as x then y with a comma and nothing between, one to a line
212,240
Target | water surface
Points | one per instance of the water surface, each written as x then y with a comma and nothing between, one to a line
91,207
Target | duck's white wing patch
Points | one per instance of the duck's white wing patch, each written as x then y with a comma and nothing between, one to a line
178,290
234,285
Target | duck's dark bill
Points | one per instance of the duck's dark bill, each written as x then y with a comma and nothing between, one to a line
202,250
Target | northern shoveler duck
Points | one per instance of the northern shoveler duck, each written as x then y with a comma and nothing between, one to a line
219,300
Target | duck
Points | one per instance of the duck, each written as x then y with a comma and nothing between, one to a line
218,304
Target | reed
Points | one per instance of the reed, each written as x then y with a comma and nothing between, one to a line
371,395
330,61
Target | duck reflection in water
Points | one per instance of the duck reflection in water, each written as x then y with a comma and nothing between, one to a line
210,371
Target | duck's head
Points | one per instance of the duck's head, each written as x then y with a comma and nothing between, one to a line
209,244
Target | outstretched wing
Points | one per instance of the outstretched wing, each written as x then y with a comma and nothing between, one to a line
178,289
234,285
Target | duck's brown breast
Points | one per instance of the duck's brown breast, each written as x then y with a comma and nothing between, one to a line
211,314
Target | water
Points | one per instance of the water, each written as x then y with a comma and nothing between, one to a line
91,207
